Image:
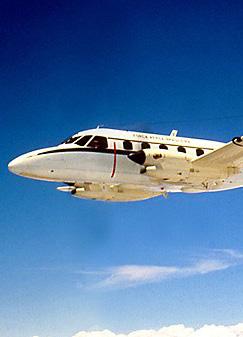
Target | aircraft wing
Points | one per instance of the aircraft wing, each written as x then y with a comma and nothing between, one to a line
229,155
110,192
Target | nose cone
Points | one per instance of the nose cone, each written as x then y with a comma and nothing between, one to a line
18,165
38,165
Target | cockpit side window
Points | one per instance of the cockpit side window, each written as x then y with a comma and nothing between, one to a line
83,140
99,142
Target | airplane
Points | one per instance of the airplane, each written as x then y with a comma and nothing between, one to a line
117,165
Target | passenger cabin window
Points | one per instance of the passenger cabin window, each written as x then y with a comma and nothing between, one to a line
199,152
145,145
98,142
163,147
127,145
83,140
181,149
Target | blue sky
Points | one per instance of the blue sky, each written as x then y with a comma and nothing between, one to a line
144,65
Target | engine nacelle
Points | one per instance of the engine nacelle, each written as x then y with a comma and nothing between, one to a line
162,164
149,157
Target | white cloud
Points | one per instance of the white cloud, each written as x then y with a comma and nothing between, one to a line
132,275
231,252
173,331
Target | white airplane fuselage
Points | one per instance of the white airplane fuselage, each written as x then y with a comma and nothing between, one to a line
117,165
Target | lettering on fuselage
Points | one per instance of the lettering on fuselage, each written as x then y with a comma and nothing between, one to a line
142,136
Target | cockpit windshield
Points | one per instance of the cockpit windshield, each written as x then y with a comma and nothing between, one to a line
83,140
70,140
97,142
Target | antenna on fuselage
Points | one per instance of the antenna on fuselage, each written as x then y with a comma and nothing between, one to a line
173,133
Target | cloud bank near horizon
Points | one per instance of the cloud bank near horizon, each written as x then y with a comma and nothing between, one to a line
125,276
173,331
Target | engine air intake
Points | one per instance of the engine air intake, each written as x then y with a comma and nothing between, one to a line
138,157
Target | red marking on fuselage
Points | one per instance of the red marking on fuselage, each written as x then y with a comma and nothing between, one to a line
114,162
